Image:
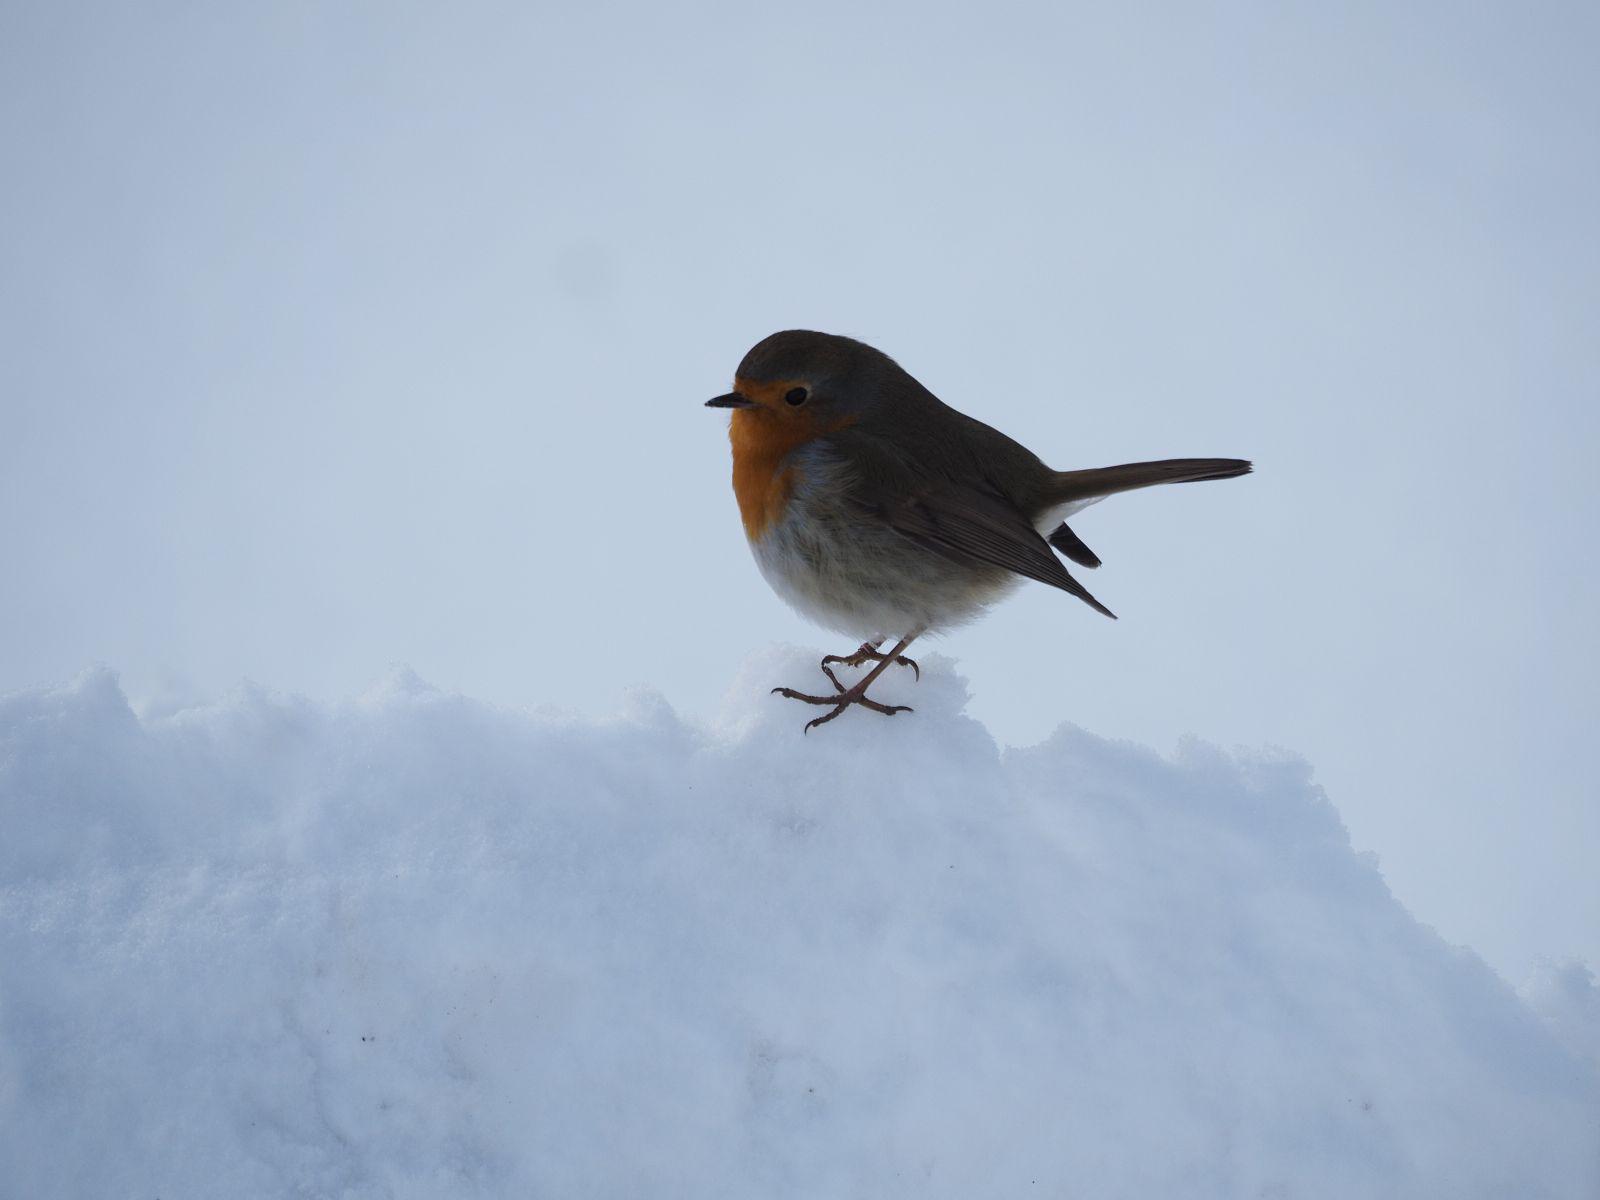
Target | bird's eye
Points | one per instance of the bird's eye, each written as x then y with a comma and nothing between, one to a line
795,395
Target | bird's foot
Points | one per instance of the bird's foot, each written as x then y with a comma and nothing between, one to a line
869,652
841,700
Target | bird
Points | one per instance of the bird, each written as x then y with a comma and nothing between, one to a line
876,510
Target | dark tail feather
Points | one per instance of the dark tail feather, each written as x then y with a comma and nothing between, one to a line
1070,544
1106,481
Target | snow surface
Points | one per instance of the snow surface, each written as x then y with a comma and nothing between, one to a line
419,946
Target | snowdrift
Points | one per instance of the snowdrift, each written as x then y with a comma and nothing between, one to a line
418,946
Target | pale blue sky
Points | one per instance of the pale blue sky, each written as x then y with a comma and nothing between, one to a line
338,336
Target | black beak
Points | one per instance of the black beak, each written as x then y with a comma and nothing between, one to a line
731,400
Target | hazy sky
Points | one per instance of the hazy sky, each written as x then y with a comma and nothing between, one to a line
332,337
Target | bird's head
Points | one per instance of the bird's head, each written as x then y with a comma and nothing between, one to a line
808,381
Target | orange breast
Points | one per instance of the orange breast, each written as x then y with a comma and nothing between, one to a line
761,440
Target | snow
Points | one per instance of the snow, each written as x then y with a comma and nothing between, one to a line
420,946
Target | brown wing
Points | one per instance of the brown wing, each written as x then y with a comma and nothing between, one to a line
966,521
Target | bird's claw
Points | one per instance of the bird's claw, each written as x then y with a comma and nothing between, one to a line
869,653
843,700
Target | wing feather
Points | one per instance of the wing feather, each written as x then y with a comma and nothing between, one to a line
967,521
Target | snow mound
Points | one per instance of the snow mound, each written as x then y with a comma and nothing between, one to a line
418,946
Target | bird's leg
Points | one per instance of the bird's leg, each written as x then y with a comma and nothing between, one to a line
845,697
867,653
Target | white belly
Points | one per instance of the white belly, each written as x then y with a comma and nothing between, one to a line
844,571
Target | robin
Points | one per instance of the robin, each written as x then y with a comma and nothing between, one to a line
874,508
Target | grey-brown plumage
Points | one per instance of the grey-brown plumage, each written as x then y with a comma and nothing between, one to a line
943,480
875,508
